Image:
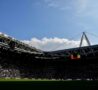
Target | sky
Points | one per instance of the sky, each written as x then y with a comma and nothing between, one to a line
49,24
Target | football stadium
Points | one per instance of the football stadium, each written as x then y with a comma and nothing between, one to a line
21,61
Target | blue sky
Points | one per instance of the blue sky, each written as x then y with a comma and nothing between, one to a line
27,19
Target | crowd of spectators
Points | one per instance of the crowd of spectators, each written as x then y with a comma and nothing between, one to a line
9,73
23,65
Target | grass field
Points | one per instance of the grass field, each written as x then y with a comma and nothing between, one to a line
45,83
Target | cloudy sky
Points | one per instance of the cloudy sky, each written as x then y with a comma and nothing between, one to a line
49,24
